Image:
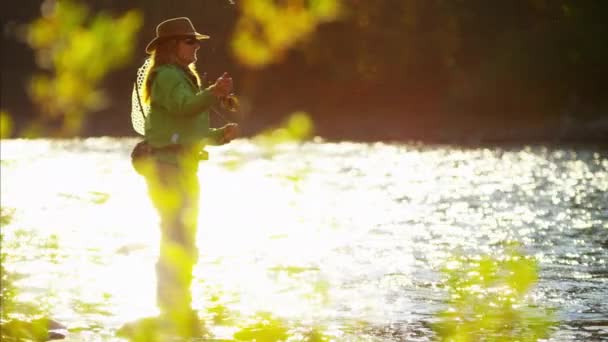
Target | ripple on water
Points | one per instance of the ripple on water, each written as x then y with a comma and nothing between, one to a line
347,236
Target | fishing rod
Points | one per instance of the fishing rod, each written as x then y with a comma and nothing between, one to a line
229,102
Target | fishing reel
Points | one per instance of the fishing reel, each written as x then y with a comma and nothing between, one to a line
230,102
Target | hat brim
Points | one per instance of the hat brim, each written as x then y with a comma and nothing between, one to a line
152,45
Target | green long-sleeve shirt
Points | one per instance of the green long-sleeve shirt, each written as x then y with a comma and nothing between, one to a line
179,114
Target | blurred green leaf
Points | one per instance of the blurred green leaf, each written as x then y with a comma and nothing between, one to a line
79,51
487,299
296,127
267,28
265,327
6,125
6,215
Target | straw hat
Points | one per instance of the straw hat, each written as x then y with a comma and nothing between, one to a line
174,27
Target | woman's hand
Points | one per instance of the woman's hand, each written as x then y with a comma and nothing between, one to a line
231,131
222,86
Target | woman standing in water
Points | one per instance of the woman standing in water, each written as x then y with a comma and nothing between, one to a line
176,131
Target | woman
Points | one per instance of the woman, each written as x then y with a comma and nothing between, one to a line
176,130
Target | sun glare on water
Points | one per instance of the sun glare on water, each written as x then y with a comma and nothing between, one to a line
329,235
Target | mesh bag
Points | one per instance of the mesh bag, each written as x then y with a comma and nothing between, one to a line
139,109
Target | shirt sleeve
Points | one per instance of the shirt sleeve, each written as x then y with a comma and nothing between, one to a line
174,92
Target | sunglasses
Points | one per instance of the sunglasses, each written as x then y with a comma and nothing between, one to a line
191,41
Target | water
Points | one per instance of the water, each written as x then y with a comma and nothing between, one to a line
344,237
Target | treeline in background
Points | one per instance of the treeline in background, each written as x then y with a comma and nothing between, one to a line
429,70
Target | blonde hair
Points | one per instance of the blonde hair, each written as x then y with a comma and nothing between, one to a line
165,53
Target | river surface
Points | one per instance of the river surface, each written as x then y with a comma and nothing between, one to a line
345,237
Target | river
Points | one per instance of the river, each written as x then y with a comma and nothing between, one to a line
344,237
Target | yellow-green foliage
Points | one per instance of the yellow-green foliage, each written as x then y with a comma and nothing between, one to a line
297,127
267,28
6,125
488,300
78,50
265,327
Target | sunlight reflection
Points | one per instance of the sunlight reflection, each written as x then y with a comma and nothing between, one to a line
311,232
